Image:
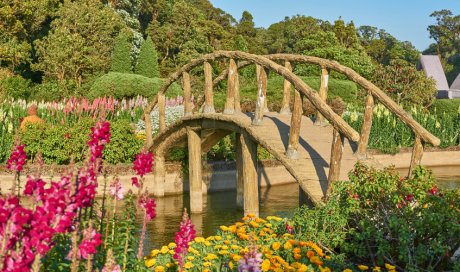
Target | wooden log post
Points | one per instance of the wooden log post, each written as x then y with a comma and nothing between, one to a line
294,131
249,174
237,91
239,171
336,158
159,172
323,90
187,94
148,131
232,78
195,171
285,108
361,153
162,112
417,154
261,95
208,92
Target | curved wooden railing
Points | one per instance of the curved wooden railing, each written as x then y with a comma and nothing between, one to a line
324,112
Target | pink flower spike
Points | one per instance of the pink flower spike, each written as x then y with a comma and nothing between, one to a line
135,182
149,205
143,163
116,190
17,158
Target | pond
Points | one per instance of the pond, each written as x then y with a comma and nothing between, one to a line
220,207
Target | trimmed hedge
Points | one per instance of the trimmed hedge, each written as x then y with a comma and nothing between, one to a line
447,106
122,85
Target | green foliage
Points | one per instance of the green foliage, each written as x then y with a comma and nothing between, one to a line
147,63
446,106
405,84
223,150
378,217
121,55
16,87
61,144
51,91
123,145
120,85
389,133
80,41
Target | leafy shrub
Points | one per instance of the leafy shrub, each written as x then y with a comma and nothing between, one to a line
48,91
16,87
61,144
121,55
379,217
447,106
122,85
405,84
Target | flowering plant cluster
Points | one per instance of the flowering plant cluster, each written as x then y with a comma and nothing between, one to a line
17,159
27,234
184,236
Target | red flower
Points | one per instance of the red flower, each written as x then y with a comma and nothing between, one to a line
149,205
185,234
17,158
143,163
135,182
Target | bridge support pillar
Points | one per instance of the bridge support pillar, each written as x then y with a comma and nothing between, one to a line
336,158
159,176
195,171
366,128
294,131
323,89
239,172
248,173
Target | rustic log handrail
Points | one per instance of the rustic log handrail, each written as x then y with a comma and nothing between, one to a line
298,84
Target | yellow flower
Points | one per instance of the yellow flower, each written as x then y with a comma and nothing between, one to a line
347,270
303,268
190,258
211,257
230,264
236,258
251,215
235,247
223,252
217,238
287,245
324,269
171,245
363,267
169,265
154,252
188,265
206,270
276,245
206,264
199,239
224,228
376,269
150,262
389,266
164,249
316,260
159,269
265,265
254,224
171,252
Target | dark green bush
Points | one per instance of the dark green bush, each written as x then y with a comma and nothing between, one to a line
16,87
448,106
147,62
122,85
123,145
378,217
48,91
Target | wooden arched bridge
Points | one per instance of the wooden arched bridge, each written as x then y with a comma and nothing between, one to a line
304,147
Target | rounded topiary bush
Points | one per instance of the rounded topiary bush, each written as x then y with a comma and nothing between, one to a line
123,85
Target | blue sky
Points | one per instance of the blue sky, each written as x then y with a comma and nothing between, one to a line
407,20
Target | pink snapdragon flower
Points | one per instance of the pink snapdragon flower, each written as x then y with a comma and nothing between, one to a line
116,190
99,137
149,205
185,235
91,240
143,163
17,159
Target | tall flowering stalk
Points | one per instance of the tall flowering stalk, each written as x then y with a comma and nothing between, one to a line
117,192
16,163
148,205
185,235
26,233
252,260
142,165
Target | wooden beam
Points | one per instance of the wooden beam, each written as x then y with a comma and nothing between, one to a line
239,171
159,172
261,95
236,86
212,139
195,171
285,105
336,158
187,94
148,131
294,130
162,112
323,90
249,173
366,128
208,92
417,154
232,78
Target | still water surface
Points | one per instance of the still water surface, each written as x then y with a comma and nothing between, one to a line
220,208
